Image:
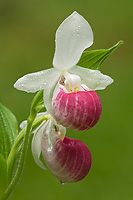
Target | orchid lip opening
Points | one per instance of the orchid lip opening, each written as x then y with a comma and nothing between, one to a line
59,132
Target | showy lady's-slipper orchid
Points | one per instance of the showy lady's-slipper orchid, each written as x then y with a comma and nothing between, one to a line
68,159
69,89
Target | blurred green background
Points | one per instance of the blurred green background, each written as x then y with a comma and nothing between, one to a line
27,30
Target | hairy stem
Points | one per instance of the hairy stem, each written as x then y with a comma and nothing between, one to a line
22,158
23,134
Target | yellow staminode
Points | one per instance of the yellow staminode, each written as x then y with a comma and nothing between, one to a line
76,89
62,136
59,132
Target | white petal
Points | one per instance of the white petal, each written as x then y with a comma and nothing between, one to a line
37,81
48,94
93,79
36,145
23,124
73,36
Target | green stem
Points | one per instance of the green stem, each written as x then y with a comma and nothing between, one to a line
24,133
22,158
18,142
12,155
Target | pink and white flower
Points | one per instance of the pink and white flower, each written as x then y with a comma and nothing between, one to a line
68,159
78,110
75,85
70,99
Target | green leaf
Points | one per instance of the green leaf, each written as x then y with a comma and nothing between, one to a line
93,59
8,131
3,173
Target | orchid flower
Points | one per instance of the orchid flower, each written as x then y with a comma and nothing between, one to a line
68,159
69,90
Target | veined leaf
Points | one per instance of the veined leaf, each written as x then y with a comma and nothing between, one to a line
93,59
3,173
8,131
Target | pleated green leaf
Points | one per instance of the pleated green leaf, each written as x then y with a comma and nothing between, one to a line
8,131
93,59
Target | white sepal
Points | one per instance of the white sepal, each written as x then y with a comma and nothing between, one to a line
73,36
23,124
36,141
37,81
48,94
93,79
36,145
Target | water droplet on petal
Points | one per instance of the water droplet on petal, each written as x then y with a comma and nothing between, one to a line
62,183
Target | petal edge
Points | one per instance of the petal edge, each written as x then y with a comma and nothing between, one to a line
73,36
36,146
36,81
93,79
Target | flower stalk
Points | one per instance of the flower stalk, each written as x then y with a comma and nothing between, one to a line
23,139
21,161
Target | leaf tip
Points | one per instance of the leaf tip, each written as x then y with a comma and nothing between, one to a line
119,43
